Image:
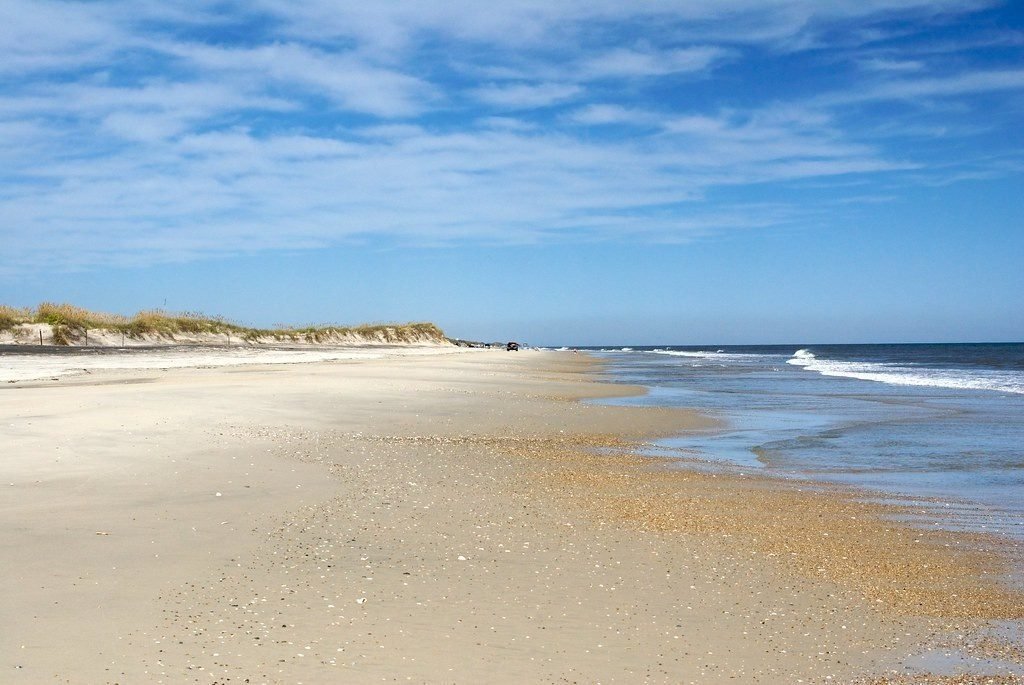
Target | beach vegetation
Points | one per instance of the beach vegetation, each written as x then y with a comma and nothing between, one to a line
73,317
60,334
12,316
69,322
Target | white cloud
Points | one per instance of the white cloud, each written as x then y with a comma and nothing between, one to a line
352,82
605,114
147,113
917,89
138,132
526,96
144,127
237,191
694,125
388,27
42,34
625,62
892,65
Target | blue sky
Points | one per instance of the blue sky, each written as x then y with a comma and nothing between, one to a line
599,172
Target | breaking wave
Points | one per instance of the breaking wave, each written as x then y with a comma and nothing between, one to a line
895,374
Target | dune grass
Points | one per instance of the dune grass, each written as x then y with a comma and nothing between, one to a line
69,321
12,316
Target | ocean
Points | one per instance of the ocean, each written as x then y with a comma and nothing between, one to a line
938,427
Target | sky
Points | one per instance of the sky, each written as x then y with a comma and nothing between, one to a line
583,172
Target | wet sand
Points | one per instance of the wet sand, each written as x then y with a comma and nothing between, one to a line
458,518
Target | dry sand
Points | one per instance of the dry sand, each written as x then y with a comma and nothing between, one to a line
450,518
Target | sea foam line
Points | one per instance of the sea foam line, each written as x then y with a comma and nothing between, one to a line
717,355
893,374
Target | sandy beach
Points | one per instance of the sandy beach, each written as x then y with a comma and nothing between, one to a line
449,518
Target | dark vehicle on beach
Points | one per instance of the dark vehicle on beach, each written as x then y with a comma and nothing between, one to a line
512,347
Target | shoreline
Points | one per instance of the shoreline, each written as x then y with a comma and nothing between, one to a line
999,554
483,513
938,454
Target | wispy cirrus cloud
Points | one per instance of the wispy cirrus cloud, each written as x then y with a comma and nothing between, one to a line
147,132
880,64
915,89
49,35
532,22
353,83
602,114
495,185
627,62
525,95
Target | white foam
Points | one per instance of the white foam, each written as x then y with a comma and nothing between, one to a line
894,374
680,353
718,356
802,358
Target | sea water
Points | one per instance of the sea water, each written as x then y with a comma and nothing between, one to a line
939,427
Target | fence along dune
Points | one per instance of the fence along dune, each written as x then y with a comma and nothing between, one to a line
69,323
